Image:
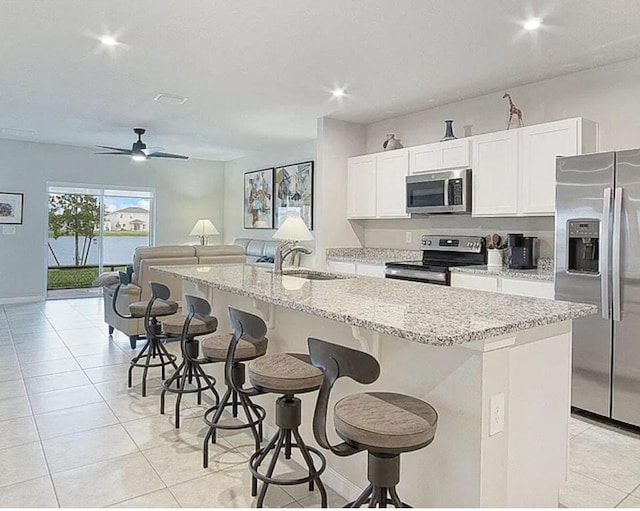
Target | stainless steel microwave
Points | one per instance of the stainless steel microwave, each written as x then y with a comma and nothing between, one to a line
437,192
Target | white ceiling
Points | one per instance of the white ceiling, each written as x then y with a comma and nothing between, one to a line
257,72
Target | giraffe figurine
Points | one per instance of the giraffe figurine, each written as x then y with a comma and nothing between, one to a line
513,110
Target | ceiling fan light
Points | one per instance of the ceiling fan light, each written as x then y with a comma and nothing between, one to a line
138,157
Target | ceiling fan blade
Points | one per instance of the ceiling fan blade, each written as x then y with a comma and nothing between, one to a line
168,155
123,151
117,153
152,150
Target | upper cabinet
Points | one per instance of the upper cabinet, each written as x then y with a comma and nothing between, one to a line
495,174
391,184
376,185
539,147
441,155
361,187
514,172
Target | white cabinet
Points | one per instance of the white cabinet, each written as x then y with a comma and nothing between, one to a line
537,289
500,284
361,187
514,171
495,174
376,185
391,194
539,147
479,282
356,268
341,267
370,269
442,155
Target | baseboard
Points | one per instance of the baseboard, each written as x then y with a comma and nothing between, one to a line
331,478
22,299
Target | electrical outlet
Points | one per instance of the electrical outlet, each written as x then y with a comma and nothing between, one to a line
408,237
496,414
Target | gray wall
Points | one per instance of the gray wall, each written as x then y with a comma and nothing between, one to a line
607,95
185,191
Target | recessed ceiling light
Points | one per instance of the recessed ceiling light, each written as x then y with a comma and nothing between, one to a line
108,40
338,92
532,24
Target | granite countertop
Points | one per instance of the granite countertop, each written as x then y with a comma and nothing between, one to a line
372,255
544,272
415,311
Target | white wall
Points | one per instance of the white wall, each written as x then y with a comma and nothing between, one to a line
185,191
608,95
234,171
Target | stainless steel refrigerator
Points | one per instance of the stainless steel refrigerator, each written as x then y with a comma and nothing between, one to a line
598,261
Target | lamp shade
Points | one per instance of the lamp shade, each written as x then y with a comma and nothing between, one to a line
204,227
293,229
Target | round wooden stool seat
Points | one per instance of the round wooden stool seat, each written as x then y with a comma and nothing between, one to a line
285,373
174,325
215,348
385,421
159,308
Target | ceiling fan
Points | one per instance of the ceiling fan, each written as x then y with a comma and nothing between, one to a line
139,150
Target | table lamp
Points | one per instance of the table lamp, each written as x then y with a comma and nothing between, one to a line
204,228
292,231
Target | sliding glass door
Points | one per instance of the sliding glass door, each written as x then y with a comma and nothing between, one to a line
92,230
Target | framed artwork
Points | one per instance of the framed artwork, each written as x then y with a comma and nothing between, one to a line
294,192
11,208
258,199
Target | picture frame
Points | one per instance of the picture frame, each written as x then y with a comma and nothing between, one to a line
293,192
11,205
258,199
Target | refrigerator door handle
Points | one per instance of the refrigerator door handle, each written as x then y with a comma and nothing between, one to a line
604,254
615,254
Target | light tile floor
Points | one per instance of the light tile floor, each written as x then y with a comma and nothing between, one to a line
73,435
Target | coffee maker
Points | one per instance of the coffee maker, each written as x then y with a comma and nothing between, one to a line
522,252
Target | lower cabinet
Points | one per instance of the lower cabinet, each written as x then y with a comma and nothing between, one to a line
366,269
506,285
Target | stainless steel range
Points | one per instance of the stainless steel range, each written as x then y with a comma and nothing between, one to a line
439,253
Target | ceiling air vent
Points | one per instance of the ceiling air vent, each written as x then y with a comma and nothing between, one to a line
170,99
13,132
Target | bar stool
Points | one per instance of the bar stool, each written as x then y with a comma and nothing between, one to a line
197,322
251,345
384,424
149,311
286,374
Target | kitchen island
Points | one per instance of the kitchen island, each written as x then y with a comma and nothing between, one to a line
496,368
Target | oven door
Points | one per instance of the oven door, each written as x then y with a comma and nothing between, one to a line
441,278
439,192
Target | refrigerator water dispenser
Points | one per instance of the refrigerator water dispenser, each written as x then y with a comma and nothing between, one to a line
584,246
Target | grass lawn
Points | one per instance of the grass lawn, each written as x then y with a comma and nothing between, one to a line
72,278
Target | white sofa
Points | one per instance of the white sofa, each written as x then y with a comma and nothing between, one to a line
143,259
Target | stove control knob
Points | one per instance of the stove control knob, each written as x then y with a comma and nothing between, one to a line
428,242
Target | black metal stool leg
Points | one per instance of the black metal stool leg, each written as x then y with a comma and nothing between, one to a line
313,475
270,469
362,498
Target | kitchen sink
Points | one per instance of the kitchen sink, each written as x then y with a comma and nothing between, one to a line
314,275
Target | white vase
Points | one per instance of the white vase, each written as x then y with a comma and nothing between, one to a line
494,258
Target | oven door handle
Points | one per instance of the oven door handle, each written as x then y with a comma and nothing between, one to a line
416,274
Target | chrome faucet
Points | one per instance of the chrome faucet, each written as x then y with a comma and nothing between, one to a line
284,251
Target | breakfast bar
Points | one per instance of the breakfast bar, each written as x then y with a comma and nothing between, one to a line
496,368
